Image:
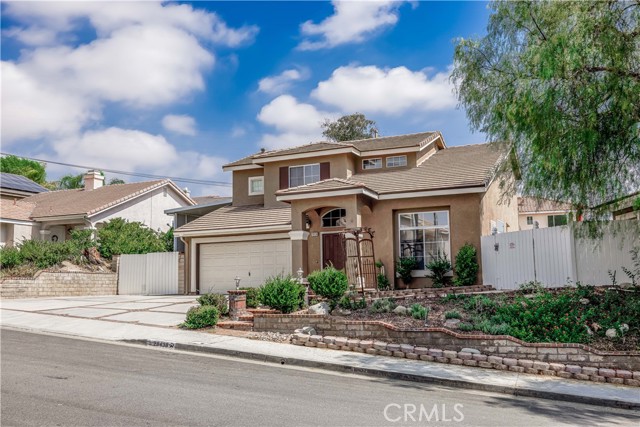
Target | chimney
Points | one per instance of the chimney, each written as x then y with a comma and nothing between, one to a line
93,179
375,132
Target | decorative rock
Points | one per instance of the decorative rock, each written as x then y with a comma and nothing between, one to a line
353,343
424,350
406,348
371,351
320,308
456,361
615,380
558,367
380,345
565,375
411,356
525,363
393,347
598,379
573,369
495,359
398,354
384,353
329,340
510,362
449,354
470,350
438,353
340,341
464,356
636,375
321,345
584,301
621,373
633,383
583,377
543,366
611,333
340,312
451,323
479,357
302,337
309,330
366,344
470,362
427,358
401,310
485,365
624,328
608,373
518,369
315,338
589,331
588,370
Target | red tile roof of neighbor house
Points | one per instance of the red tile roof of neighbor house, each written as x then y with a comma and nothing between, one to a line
533,204
233,218
18,210
87,202
454,167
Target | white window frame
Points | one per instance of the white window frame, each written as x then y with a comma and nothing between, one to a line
378,160
422,273
403,157
333,210
304,176
251,180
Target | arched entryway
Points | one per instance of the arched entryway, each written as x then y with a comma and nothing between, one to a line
332,223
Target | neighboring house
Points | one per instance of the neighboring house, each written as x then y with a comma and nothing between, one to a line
15,221
624,207
290,205
52,215
186,214
541,213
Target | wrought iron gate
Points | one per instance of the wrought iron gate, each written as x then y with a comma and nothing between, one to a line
360,261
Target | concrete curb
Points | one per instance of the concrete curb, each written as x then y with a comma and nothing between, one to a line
379,373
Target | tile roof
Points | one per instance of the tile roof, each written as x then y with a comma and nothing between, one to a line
324,185
87,202
363,145
205,200
16,209
533,204
20,183
239,217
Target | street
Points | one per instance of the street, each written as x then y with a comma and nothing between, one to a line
51,380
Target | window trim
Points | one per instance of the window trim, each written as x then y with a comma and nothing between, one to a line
369,160
303,175
256,178
422,273
403,156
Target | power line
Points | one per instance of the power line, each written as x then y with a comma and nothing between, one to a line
143,175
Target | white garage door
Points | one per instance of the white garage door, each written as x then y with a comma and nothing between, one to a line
253,262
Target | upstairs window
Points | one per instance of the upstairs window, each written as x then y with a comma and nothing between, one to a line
396,161
335,218
371,163
256,185
302,175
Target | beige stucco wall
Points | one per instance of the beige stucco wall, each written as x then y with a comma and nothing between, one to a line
241,195
494,207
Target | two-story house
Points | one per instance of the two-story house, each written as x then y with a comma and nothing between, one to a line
289,206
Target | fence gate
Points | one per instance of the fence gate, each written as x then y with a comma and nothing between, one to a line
148,274
360,258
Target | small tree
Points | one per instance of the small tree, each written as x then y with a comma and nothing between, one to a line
120,236
349,128
439,266
29,168
404,267
329,283
70,182
466,267
282,293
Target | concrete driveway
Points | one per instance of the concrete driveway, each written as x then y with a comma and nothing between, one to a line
164,311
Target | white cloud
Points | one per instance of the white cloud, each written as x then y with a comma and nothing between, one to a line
238,131
182,124
297,123
352,22
282,82
370,89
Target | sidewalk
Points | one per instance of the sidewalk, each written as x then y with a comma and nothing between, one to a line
449,375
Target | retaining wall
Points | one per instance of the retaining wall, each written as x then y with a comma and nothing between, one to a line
58,284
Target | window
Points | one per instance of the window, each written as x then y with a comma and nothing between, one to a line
335,218
423,234
396,161
529,220
371,163
256,185
556,220
301,175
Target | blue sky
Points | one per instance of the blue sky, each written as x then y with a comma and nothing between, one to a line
179,89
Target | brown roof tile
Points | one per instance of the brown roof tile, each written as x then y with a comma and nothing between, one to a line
324,185
533,204
85,202
239,217
16,209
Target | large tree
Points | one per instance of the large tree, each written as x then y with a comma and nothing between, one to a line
557,85
33,170
349,128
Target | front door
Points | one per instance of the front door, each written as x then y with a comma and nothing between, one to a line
332,250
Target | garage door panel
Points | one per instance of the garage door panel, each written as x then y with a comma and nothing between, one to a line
253,262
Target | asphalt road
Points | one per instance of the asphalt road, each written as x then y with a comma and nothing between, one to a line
50,380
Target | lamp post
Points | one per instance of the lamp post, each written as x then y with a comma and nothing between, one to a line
237,279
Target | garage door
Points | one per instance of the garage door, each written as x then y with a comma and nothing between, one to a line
253,262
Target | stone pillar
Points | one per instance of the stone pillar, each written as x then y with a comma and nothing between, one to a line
237,304
299,251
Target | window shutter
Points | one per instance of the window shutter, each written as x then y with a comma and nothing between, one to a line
284,177
325,169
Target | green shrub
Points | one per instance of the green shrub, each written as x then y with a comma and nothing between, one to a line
252,297
352,301
418,312
404,267
10,257
201,317
438,267
465,327
119,236
382,305
453,314
219,301
466,266
282,293
383,282
45,254
329,283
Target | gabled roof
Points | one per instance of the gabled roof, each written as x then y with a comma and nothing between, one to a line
324,185
533,205
89,202
20,183
236,218
18,210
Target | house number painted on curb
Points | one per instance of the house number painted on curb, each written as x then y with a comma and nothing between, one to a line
163,344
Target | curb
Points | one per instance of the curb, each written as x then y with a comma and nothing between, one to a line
378,373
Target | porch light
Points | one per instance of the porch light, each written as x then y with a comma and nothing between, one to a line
237,279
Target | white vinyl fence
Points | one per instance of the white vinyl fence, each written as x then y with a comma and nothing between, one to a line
149,274
557,256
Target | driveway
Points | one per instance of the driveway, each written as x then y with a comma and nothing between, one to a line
167,311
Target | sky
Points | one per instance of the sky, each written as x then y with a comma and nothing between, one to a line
180,88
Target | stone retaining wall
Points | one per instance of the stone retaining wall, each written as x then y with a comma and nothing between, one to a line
58,284
498,345
471,357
